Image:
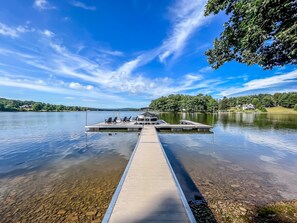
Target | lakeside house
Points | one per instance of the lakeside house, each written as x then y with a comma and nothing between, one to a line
248,107
26,107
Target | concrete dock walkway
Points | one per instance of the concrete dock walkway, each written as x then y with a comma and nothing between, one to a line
148,190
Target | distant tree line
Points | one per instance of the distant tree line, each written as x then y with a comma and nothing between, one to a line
205,103
17,105
179,102
287,100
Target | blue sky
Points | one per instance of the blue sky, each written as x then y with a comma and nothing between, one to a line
118,53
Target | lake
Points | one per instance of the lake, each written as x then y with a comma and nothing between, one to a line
51,171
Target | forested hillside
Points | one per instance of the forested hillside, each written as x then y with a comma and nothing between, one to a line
205,103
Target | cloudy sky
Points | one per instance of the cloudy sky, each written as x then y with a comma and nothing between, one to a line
116,53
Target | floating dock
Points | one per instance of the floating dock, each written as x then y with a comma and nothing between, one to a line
104,127
185,125
148,190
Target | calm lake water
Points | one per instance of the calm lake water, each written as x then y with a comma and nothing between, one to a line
51,171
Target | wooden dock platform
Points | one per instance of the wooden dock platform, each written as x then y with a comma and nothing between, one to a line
148,190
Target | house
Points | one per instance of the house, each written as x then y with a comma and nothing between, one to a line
248,107
25,106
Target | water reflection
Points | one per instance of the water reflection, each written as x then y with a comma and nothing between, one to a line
259,120
250,160
51,171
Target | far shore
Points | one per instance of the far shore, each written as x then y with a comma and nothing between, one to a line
272,110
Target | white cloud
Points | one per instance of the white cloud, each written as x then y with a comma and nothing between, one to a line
193,77
82,5
55,59
12,31
187,16
89,87
59,61
34,85
75,85
265,83
11,52
48,33
205,69
112,52
43,5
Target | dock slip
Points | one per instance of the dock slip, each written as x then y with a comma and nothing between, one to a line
148,190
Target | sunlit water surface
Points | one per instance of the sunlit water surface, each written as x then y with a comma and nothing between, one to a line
250,158
51,171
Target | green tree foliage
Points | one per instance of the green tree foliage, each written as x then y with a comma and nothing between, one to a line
263,109
178,102
268,101
2,107
295,107
16,105
37,106
292,100
256,102
60,107
205,103
260,32
288,100
224,104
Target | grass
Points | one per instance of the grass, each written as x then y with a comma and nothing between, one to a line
281,110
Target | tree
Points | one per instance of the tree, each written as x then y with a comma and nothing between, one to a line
276,97
173,103
283,100
292,99
256,102
60,108
200,103
295,107
211,104
263,109
267,101
37,107
2,108
223,105
258,32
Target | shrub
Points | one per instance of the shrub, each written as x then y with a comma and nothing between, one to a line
262,109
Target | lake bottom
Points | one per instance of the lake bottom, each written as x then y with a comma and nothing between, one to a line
80,193
223,190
